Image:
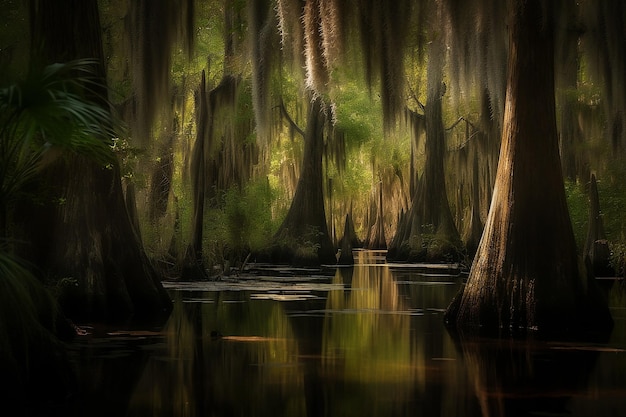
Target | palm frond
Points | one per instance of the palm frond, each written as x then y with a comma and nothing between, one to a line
58,106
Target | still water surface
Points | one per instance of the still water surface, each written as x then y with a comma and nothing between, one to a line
362,341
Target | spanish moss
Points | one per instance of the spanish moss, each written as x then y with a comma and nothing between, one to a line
168,24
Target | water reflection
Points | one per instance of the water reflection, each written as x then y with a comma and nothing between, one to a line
361,341
243,370
526,377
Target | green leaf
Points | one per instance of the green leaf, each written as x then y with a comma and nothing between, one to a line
57,106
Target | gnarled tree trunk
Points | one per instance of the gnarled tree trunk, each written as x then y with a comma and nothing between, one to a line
84,231
428,230
526,271
303,236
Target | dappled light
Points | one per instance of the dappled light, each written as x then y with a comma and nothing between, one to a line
313,208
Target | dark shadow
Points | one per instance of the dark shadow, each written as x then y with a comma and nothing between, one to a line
528,375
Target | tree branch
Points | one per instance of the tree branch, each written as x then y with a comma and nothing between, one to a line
462,119
294,126
414,97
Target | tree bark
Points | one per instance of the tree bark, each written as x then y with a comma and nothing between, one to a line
193,264
84,230
475,226
376,237
346,257
349,232
211,172
161,175
429,232
303,236
526,271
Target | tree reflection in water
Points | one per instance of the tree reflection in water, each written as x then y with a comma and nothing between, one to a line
526,377
361,341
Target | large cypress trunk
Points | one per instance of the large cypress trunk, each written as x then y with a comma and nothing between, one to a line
303,236
83,230
526,271
428,231
84,233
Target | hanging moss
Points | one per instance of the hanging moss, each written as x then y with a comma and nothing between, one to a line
604,44
155,28
526,275
262,24
478,49
303,237
329,28
289,19
428,231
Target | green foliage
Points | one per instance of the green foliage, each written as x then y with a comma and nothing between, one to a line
243,224
358,114
612,195
303,248
578,204
248,216
128,156
48,111
355,181
371,154
244,111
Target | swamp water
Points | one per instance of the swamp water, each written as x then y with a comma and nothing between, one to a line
362,341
